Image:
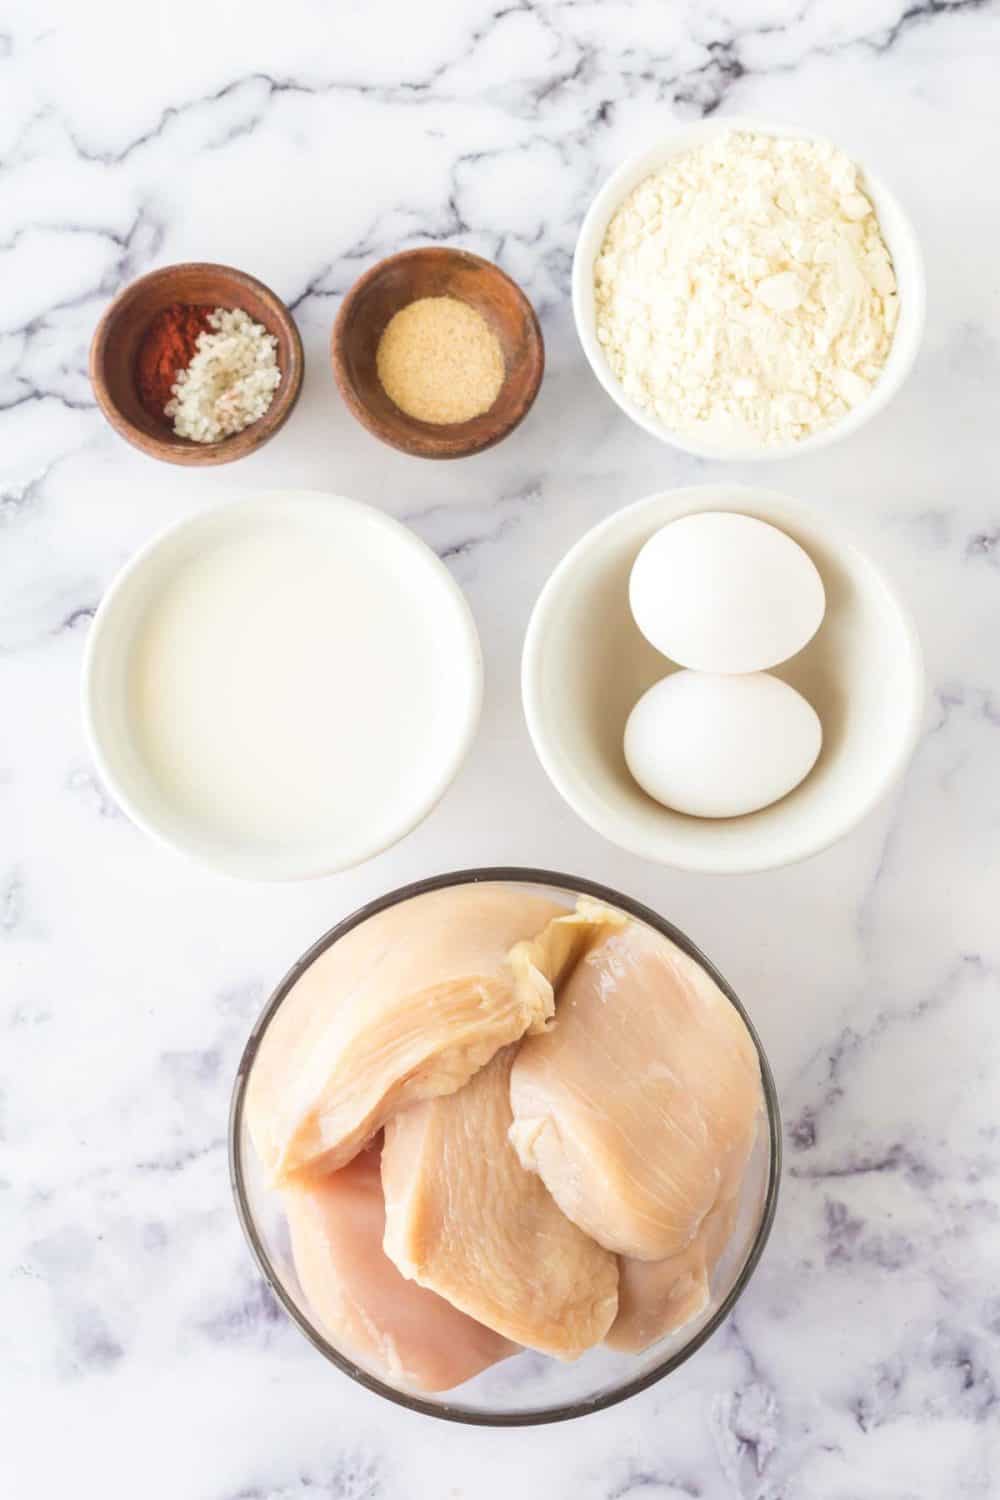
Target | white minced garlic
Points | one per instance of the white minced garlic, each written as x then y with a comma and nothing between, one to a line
230,381
744,293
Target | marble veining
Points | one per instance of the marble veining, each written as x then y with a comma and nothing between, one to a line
140,1351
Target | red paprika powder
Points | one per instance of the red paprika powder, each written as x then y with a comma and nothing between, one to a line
168,346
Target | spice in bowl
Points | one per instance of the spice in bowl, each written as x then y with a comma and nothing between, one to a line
439,361
210,372
168,346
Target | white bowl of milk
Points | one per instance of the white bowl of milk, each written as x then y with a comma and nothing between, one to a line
282,686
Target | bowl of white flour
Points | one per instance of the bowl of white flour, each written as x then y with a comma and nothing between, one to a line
744,290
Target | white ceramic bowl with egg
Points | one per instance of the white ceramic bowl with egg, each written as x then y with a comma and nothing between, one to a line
282,686
897,231
586,665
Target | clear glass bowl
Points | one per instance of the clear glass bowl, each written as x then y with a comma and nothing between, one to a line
529,1388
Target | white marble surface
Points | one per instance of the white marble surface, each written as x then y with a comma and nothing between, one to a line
302,141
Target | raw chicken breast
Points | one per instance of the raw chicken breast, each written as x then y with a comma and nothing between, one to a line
393,1327
465,1219
405,1006
553,952
637,1107
657,1297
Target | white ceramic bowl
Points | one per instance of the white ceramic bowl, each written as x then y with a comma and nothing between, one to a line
362,820
585,665
896,230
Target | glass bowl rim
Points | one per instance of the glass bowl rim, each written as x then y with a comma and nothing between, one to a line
512,875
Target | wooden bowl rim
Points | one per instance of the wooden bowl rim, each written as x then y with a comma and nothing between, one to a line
414,437
171,448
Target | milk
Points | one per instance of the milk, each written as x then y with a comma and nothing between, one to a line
283,689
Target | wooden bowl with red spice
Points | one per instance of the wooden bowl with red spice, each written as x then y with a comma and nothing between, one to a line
477,321
150,333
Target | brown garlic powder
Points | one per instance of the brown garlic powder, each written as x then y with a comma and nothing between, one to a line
439,361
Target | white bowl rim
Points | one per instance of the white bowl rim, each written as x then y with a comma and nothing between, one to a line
671,505
611,194
283,866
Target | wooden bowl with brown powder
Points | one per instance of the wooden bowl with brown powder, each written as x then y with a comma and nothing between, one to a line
437,352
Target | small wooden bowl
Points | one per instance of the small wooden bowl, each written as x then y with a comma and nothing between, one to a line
118,335
436,272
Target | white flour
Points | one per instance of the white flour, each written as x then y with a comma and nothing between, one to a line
744,292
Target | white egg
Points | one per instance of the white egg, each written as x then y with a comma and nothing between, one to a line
721,592
718,746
